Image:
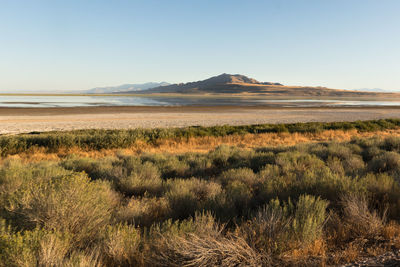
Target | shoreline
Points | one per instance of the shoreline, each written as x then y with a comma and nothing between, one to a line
25,120
43,111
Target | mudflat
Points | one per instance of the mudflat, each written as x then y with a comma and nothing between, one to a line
23,120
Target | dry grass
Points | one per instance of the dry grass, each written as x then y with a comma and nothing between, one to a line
205,144
363,222
313,254
205,250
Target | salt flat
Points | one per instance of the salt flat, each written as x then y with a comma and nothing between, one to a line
20,120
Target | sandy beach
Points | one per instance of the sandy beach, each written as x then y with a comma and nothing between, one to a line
25,120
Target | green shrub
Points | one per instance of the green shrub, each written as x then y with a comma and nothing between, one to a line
145,211
339,151
336,166
244,175
94,168
185,196
121,246
70,204
144,178
353,165
169,165
154,209
309,218
297,163
279,226
32,248
391,143
386,162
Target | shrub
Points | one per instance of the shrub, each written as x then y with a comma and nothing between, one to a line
280,226
388,161
224,157
185,196
32,248
371,152
268,230
204,245
391,143
121,246
339,151
335,165
94,168
309,218
268,172
83,259
143,178
145,211
354,165
298,163
243,175
169,165
70,204
361,221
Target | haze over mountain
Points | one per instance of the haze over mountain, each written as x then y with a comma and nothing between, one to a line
378,90
242,85
125,88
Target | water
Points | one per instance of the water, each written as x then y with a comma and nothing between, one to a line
86,101
76,101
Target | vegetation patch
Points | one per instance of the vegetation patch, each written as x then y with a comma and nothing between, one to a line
310,204
117,139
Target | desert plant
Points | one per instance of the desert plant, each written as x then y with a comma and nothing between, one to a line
387,161
144,178
70,204
268,230
204,245
361,221
145,211
121,245
185,196
309,218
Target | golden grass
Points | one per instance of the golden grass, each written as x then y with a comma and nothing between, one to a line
205,144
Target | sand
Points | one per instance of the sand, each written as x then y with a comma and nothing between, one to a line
24,120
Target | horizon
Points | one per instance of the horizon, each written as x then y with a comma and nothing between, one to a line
170,83
49,46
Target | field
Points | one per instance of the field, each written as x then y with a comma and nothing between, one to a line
306,194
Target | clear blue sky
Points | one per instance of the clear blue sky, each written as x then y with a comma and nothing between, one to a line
80,44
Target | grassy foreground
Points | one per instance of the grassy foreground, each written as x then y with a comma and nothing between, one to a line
311,204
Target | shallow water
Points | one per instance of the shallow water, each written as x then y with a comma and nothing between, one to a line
85,101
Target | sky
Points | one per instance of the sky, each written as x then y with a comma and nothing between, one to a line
55,45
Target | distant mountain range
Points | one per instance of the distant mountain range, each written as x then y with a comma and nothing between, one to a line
224,83
236,84
125,88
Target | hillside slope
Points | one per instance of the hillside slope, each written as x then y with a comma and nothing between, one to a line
242,85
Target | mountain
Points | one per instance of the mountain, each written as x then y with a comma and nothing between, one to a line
237,84
224,83
125,88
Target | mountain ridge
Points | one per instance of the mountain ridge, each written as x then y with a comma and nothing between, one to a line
224,83
237,84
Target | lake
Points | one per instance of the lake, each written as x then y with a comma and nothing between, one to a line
85,101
